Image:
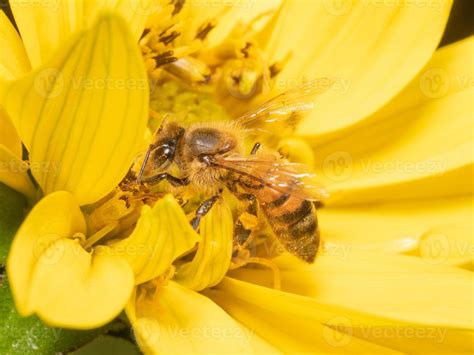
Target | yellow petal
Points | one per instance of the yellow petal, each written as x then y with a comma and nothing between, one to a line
212,259
181,321
73,288
162,234
438,230
135,12
409,294
14,61
56,216
84,112
8,135
372,49
418,146
64,17
14,173
292,323
41,40
242,13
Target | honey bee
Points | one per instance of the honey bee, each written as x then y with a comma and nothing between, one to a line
210,157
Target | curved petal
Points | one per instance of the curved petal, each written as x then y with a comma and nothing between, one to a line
398,287
135,12
248,302
294,324
181,321
73,288
14,173
14,60
418,146
438,230
8,135
212,259
372,49
46,25
162,234
54,217
85,112
239,12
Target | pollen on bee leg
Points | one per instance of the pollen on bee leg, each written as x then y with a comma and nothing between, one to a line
249,220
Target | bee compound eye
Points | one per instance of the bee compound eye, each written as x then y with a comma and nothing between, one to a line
163,150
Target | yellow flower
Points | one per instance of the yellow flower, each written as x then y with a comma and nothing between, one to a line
394,271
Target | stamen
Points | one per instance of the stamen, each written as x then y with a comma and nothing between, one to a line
93,239
169,38
79,236
145,32
164,58
238,263
110,211
178,6
204,30
277,67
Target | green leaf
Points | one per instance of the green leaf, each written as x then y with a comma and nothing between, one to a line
20,335
12,207
108,345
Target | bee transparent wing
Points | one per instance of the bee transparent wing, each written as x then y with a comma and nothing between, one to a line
282,176
283,107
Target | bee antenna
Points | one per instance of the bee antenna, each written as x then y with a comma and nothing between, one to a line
145,161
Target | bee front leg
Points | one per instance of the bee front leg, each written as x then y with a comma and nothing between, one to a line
203,209
173,180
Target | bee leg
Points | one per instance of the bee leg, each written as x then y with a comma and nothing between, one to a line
173,180
203,209
242,236
255,148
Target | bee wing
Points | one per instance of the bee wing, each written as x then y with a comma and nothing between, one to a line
282,176
282,108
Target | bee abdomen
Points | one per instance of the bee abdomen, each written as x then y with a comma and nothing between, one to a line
295,224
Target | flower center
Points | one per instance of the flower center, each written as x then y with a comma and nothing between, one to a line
192,81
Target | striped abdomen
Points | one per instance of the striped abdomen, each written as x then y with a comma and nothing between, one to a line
292,219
